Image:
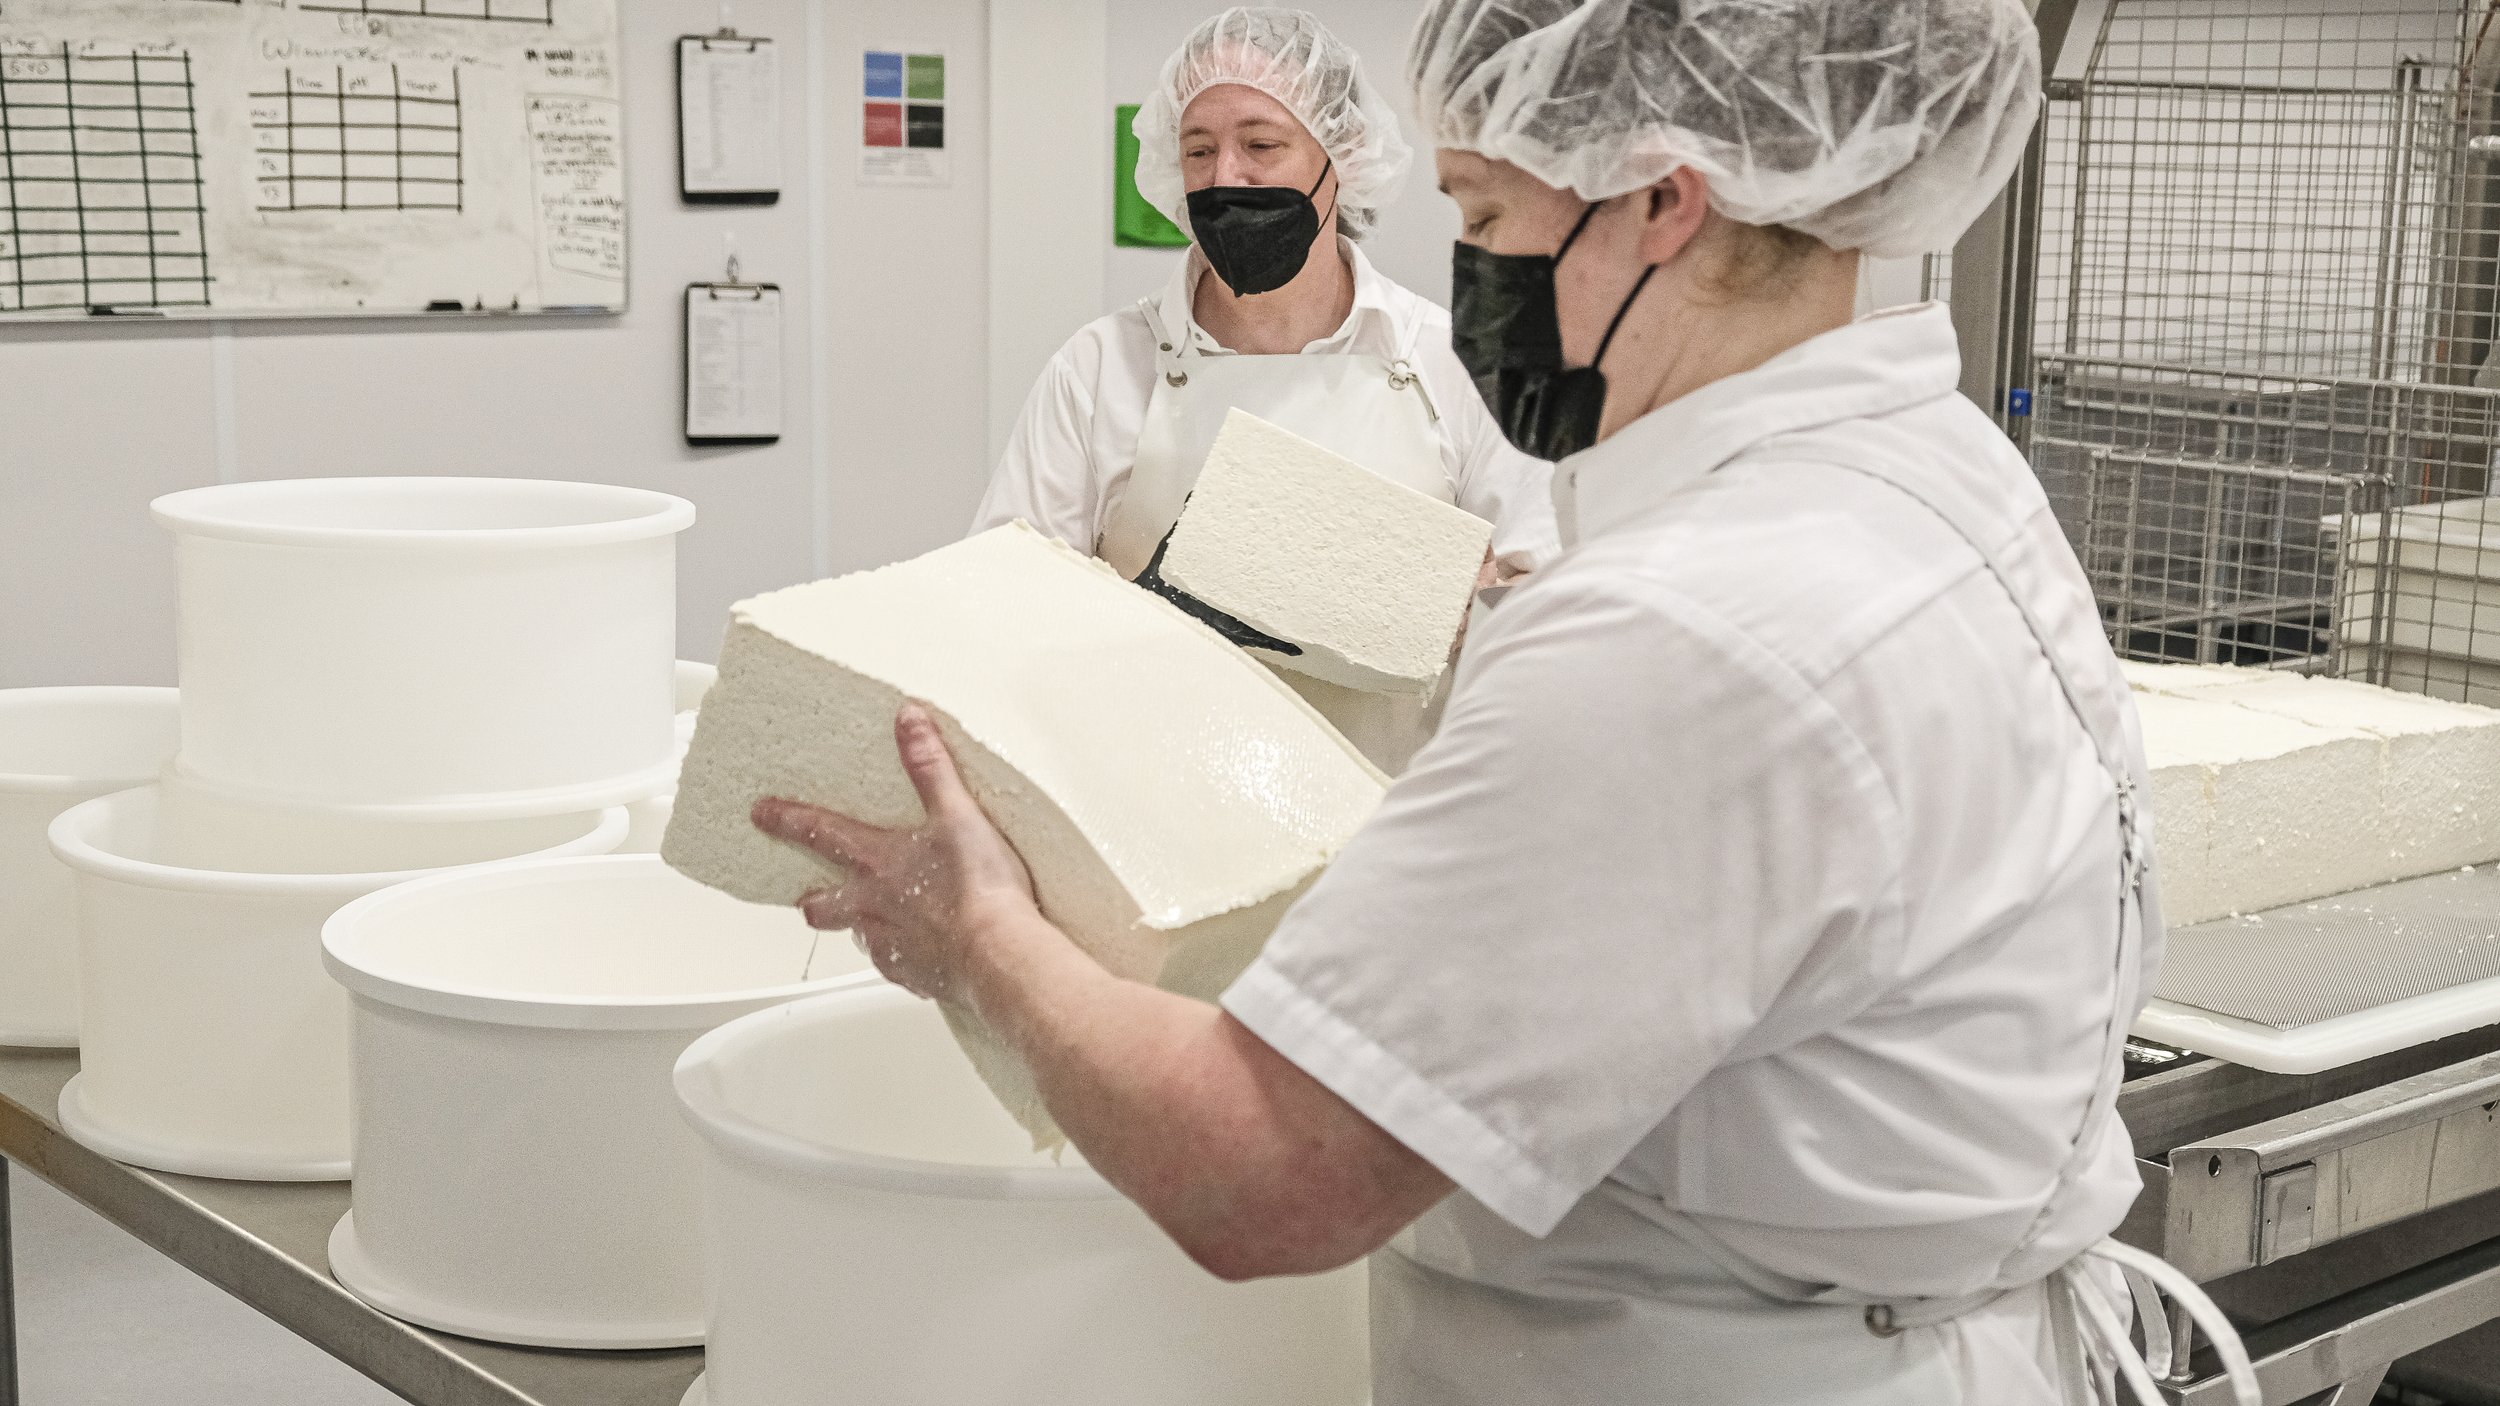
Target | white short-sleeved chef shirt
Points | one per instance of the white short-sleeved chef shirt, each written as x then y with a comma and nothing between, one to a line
1067,462
1758,873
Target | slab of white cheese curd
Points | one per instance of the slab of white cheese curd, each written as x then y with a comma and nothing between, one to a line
1370,578
2271,789
1170,796
2253,811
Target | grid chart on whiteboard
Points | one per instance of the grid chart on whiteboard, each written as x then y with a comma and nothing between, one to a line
342,140
99,182
515,11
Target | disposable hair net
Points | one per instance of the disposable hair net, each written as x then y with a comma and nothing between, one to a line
1878,125
1289,56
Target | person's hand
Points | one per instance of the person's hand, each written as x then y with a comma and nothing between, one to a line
921,900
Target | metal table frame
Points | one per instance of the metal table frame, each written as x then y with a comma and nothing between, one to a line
265,1243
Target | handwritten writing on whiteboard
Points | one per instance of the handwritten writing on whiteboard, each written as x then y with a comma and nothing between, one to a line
578,146
239,158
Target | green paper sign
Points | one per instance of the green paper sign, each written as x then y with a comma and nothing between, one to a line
1135,222
924,77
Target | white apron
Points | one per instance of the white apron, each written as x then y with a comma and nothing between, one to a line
1372,410
1466,1309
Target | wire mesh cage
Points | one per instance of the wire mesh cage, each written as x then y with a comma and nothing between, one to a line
2266,394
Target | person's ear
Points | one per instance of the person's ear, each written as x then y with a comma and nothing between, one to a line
1678,207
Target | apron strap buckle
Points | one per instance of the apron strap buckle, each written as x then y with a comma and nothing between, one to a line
1404,376
2133,858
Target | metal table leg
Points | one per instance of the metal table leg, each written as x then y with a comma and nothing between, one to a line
8,1298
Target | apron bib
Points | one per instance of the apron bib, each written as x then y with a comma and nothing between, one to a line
1370,409
1704,1324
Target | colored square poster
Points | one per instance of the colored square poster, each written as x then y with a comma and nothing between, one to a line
884,125
903,119
1135,223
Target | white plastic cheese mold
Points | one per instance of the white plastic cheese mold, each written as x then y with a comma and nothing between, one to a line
568,1213
212,1043
445,647
1170,795
60,747
877,1223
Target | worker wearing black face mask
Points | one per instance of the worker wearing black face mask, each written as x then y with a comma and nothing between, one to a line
1264,139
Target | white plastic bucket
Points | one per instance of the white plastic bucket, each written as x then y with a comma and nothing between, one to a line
522,1172
881,1229
651,814
449,646
693,680
213,1043
60,747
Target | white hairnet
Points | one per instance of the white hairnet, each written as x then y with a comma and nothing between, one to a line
1287,55
1878,125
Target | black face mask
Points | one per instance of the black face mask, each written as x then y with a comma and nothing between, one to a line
1508,334
1256,238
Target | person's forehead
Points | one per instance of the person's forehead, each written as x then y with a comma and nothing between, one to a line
1234,105
1473,171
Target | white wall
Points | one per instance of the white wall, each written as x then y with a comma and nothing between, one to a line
916,319
882,455
905,398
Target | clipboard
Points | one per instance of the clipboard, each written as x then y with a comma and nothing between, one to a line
733,385
728,119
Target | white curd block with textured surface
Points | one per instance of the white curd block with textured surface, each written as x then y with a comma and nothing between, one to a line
2183,810
2281,803
2439,782
2186,680
2271,789
1170,796
1370,578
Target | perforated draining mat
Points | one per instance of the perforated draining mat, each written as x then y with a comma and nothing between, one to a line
2312,962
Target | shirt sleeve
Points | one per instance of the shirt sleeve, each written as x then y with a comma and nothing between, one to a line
1634,838
1495,481
1047,476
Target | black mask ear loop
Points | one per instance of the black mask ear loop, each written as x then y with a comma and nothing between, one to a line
1574,237
1326,166
1623,312
1620,313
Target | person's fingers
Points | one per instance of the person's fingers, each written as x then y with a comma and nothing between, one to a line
931,767
830,910
836,837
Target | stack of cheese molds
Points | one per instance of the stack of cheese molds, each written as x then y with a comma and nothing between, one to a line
1170,795
1370,579
379,678
2271,789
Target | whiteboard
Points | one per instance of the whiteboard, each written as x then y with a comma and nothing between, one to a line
219,158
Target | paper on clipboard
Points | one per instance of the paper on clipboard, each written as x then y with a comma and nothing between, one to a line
728,118
733,363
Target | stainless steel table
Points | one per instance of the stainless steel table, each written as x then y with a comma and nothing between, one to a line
263,1242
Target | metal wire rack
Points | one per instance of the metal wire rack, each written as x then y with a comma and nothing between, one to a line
2264,384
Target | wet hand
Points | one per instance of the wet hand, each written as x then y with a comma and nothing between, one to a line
921,900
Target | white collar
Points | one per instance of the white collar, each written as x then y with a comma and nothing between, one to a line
1887,362
1372,325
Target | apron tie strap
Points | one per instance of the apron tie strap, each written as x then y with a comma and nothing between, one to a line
2091,1338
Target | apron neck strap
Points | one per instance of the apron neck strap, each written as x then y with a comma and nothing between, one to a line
2010,548
1170,342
